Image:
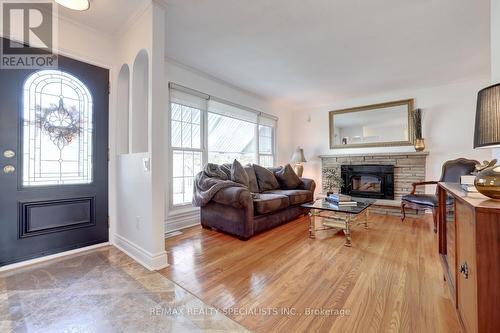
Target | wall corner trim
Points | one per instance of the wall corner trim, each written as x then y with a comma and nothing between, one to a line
152,261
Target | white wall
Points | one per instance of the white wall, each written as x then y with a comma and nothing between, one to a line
85,44
448,126
495,50
138,215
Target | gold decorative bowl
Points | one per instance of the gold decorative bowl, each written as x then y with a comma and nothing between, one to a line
488,182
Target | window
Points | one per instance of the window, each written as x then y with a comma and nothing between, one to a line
57,130
231,134
186,150
230,139
266,145
205,129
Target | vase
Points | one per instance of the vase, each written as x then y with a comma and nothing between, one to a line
488,182
419,144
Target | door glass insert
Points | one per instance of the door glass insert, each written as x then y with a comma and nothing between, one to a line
57,130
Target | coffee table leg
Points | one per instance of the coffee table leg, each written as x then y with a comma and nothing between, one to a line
366,219
312,218
347,232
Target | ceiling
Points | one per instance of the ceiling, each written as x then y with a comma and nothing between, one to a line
314,53
311,53
107,16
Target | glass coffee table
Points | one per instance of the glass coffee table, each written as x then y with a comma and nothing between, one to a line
326,218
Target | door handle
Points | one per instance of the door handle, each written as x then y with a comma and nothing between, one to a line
9,169
464,270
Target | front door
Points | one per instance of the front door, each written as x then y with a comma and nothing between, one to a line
53,159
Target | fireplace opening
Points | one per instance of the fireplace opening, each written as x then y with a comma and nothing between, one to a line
368,181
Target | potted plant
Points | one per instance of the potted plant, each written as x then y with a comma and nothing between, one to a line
417,123
333,181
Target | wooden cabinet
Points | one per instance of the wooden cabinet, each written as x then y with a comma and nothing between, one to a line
469,245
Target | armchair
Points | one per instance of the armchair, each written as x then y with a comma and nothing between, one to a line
451,172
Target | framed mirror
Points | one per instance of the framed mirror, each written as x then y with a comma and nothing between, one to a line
377,125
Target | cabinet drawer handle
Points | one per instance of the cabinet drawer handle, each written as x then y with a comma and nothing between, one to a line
464,270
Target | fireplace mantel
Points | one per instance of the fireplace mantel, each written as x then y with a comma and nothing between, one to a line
421,153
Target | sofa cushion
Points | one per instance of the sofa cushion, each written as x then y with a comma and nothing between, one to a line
253,186
287,178
422,199
265,178
238,174
296,196
266,203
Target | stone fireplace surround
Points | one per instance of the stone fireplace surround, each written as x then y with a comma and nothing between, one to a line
409,167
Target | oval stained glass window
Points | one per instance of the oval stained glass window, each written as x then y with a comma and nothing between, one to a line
57,130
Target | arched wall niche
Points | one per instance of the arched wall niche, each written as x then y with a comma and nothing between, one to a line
140,101
123,114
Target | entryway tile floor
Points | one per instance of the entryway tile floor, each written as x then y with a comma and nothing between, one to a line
101,291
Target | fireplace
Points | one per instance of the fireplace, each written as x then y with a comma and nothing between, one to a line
368,181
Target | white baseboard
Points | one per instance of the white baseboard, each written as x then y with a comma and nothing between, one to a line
52,256
182,221
152,261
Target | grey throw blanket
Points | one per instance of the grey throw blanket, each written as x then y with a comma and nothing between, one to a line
209,181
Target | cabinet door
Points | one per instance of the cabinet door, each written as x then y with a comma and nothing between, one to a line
451,256
466,266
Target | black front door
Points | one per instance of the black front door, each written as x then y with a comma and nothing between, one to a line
53,159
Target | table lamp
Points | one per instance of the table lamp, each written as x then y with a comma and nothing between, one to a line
487,135
297,160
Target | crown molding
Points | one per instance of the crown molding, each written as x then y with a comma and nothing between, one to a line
82,26
133,18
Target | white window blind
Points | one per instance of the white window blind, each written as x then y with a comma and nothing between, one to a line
228,110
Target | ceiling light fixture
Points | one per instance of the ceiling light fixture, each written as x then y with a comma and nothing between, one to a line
75,4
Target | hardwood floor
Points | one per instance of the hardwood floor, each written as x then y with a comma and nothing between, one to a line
389,281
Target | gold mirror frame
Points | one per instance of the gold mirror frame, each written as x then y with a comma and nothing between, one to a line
411,130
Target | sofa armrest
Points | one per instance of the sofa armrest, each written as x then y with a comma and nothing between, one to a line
307,184
238,197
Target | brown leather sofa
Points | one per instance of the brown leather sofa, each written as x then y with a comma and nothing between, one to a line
233,210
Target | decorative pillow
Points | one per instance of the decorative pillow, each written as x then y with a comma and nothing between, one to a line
253,186
265,178
238,174
287,178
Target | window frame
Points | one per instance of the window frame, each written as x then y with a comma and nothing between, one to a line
171,150
186,208
273,144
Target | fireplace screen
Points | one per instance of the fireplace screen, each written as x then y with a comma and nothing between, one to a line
366,183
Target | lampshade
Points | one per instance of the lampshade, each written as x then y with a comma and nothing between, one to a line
75,4
298,156
487,128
